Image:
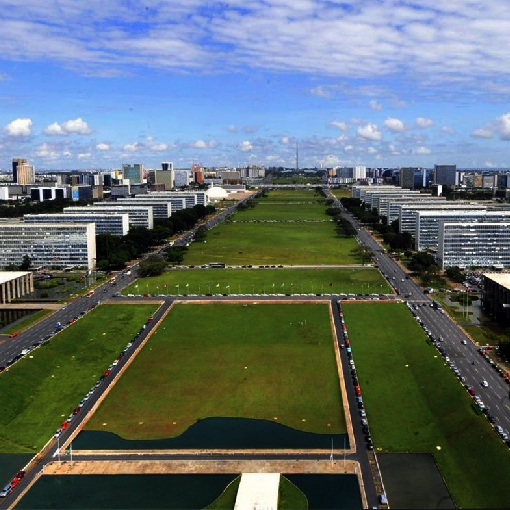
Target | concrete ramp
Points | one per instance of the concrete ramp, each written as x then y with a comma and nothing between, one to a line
258,491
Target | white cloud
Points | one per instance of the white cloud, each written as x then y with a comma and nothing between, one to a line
423,150
245,146
484,132
232,128
75,126
338,124
424,122
322,91
158,147
134,147
103,146
394,125
448,129
375,105
46,151
54,129
503,126
199,144
372,150
84,155
19,127
284,140
370,132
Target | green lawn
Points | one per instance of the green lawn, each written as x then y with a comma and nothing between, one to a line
415,404
280,211
27,321
262,281
260,361
290,195
39,391
273,243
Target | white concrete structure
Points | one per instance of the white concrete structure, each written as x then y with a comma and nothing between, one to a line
115,224
139,216
161,208
390,207
258,491
15,284
477,244
216,193
48,244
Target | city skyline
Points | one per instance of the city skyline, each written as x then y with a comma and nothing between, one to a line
393,83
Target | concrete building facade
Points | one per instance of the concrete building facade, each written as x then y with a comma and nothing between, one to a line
496,296
139,216
15,284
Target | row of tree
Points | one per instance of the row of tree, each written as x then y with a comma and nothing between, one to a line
113,252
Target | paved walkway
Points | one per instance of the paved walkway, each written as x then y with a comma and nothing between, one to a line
258,491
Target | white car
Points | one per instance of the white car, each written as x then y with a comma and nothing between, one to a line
484,383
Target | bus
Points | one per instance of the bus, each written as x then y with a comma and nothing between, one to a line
217,265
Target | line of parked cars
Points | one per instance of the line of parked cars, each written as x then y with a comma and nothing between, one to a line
105,374
12,484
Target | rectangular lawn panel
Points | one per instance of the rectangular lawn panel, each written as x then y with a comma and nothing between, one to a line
284,211
415,404
42,389
273,243
262,281
261,361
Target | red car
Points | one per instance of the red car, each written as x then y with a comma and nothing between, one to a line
106,373
14,334
357,389
64,425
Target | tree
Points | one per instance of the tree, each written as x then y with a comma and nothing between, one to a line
26,263
201,233
152,265
455,274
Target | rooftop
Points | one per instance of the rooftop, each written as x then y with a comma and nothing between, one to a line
502,279
7,276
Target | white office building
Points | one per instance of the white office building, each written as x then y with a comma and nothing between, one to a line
138,216
48,244
359,190
407,217
200,196
390,207
428,223
115,224
371,199
476,244
161,208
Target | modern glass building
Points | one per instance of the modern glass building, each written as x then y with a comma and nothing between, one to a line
48,244
161,208
476,244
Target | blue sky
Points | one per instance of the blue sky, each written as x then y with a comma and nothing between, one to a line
377,82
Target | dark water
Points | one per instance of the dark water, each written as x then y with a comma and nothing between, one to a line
7,317
10,464
174,491
218,433
329,491
125,491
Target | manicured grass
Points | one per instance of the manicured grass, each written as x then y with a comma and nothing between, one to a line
290,195
415,404
342,192
27,321
227,499
262,281
487,334
280,211
261,361
290,497
273,243
42,389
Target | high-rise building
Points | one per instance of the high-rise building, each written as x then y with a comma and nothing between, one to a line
167,166
133,172
22,172
446,175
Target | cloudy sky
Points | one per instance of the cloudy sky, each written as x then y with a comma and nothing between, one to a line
377,82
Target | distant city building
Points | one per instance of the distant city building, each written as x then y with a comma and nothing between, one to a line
22,172
161,177
446,175
167,167
133,172
183,178
161,208
41,194
46,244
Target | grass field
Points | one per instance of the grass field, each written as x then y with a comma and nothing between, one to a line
415,404
262,361
39,391
262,281
278,211
273,243
342,192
